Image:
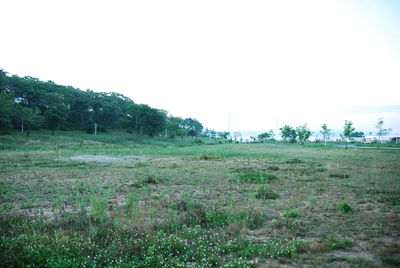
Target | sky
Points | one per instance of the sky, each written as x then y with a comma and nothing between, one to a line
233,65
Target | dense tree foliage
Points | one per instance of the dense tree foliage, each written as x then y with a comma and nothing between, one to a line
288,133
28,103
266,136
303,133
193,127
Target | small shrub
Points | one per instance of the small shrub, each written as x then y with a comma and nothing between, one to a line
345,207
264,192
291,213
256,177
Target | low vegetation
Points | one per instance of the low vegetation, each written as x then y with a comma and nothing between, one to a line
194,204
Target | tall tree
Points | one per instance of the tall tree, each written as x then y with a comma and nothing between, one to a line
147,120
6,109
175,127
288,133
27,118
55,111
193,126
381,131
303,133
264,137
348,130
224,135
326,132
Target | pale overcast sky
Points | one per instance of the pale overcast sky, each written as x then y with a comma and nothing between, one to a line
266,63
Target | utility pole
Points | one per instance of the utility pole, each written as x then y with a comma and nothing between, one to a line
95,129
22,125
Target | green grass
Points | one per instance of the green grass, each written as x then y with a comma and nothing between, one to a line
291,213
256,177
197,204
265,192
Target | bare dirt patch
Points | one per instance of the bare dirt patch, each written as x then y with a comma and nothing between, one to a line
107,159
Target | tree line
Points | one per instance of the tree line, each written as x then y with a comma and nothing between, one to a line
27,103
303,133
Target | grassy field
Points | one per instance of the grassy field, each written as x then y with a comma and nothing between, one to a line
196,205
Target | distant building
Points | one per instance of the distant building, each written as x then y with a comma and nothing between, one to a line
358,139
396,140
382,139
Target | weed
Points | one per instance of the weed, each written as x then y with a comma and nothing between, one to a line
99,208
335,242
256,177
264,192
211,226
132,203
253,219
313,200
149,179
286,223
291,213
344,207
